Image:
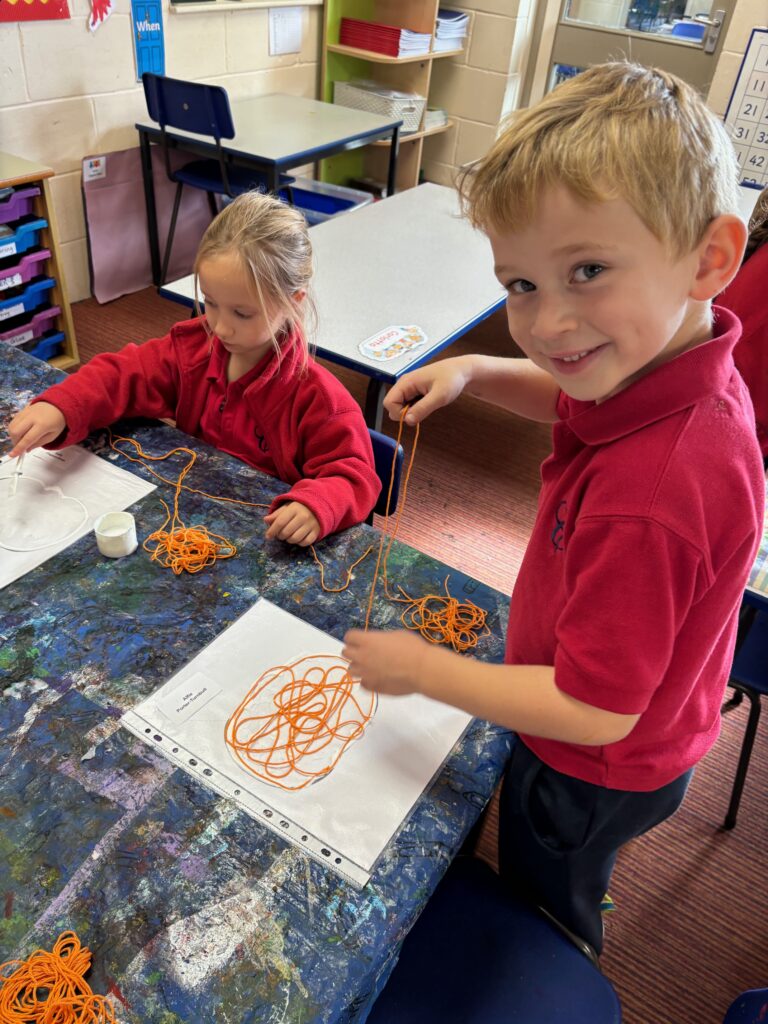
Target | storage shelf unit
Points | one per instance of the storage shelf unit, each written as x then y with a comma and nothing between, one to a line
408,74
30,267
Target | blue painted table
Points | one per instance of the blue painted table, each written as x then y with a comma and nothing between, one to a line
195,912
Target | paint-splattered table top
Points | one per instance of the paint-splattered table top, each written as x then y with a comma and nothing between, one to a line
195,912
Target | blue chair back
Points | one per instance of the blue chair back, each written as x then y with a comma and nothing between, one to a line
749,1008
384,449
188,106
693,30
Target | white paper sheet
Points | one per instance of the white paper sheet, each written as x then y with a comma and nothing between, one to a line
285,30
345,819
76,473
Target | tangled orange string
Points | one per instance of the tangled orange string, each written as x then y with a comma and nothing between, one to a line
50,988
313,717
180,548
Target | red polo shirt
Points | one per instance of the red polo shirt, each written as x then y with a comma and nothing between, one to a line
746,297
649,517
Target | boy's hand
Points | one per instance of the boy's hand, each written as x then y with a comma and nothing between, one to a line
34,426
293,523
386,662
431,387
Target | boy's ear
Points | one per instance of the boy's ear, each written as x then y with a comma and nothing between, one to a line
720,253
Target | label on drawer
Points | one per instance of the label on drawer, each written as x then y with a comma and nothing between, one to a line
12,311
9,282
19,339
8,249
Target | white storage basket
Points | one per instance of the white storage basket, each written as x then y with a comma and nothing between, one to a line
378,99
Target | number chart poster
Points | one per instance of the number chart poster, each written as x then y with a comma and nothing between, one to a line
747,115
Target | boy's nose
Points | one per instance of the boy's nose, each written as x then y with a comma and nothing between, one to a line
552,320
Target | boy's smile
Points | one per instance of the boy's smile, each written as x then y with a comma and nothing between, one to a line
593,297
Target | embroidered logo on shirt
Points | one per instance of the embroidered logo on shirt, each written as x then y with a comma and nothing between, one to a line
558,532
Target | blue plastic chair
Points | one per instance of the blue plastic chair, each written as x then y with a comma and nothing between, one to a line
693,30
479,955
384,449
749,678
749,1008
204,110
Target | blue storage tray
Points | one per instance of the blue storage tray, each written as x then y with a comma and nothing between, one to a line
32,297
23,237
18,204
49,346
319,200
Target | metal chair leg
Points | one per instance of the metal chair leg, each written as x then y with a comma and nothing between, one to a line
171,230
746,752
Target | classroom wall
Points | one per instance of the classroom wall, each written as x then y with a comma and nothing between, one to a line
747,15
67,93
480,87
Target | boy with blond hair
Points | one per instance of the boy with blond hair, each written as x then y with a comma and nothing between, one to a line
611,209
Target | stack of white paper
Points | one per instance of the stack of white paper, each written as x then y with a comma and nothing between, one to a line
450,30
412,44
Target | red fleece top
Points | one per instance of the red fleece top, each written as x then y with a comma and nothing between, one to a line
302,427
747,297
649,518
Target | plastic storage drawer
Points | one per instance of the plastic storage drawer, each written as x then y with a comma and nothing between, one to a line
22,238
32,297
18,204
33,329
319,200
49,346
27,268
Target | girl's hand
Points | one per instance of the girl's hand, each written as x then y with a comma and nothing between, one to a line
34,426
430,387
293,523
386,662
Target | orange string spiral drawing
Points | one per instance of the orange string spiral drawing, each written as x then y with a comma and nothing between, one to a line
313,711
50,988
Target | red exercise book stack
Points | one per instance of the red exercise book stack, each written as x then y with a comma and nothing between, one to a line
386,39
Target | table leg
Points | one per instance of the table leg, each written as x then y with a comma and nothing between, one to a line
149,200
393,153
374,403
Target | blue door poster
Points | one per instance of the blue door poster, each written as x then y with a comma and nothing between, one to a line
147,17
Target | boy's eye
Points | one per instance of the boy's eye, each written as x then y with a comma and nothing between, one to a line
520,287
242,316
587,271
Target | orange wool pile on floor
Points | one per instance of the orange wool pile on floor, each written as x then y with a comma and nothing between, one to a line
50,988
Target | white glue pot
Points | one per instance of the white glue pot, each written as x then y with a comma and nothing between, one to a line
116,534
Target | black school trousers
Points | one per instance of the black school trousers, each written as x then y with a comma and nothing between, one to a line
559,837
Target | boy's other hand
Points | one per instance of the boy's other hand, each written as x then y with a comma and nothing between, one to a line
35,426
386,662
293,523
427,389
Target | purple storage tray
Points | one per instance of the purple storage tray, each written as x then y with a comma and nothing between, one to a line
34,328
28,267
18,204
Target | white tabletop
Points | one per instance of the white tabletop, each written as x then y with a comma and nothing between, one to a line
407,260
747,198
284,129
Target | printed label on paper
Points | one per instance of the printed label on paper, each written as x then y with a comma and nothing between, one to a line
393,342
5,314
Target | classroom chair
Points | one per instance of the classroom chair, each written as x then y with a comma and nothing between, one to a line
479,955
749,1008
749,678
204,110
384,449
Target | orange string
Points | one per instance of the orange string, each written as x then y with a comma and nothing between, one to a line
314,717
50,988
